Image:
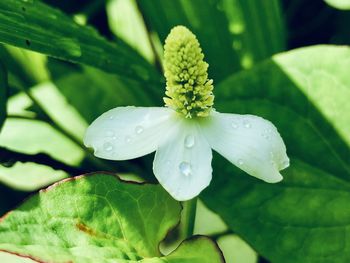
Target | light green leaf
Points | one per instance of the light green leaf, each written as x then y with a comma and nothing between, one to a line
304,218
36,26
236,250
33,136
29,176
98,218
232,33
3,93
126,22
339,4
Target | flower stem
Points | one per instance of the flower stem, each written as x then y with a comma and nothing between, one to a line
188,218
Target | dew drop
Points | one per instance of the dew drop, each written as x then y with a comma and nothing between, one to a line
265,135
247,124
189,141
185,168
234,125
240,162
111,117
108,146
139,129
127,139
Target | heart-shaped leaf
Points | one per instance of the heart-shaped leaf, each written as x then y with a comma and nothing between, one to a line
304,218
98,218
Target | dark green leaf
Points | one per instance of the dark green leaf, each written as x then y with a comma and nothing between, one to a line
232,33
36,26
98,218
305,93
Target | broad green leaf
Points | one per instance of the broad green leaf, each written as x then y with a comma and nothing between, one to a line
304,218
99,218
232,33
340,4
3,93
36,26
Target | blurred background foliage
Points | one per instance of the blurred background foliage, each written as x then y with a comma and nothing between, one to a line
58,75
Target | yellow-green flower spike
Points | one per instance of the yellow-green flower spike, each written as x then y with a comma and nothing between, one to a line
188,88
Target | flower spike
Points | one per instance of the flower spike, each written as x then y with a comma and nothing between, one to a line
188,88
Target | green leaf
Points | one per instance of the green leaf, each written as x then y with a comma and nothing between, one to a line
26,135
39,27
126,22
339,4
98,218
232,33
3,93
304,218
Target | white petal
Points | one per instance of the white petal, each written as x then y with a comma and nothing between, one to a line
182,164
249,142
129,132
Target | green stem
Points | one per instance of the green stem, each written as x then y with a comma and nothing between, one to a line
188,218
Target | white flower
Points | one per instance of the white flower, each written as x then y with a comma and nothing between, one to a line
184,133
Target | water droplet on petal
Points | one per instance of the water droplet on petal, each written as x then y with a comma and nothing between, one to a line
111,117
127,139
240,162
185,168
247,124
108,146
189,141
139,129
234,125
